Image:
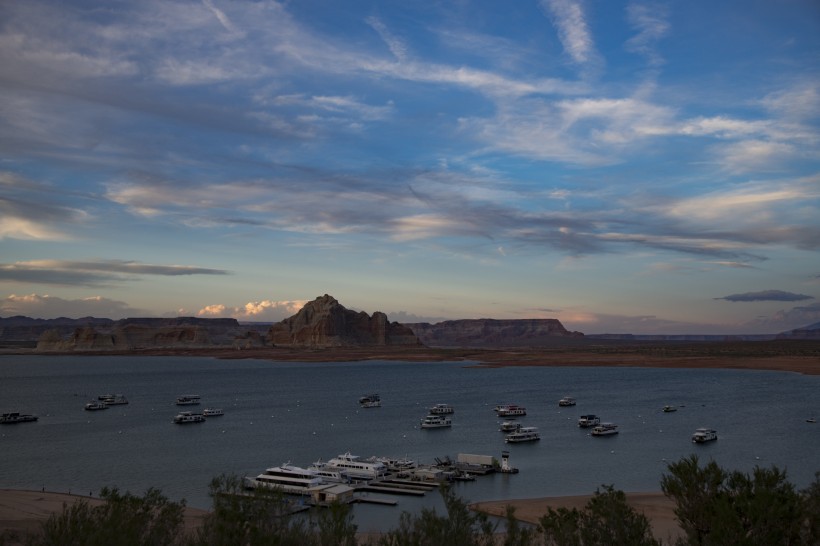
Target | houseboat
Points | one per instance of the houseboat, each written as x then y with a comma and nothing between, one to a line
442,409
436,421
703,435
357,468
188,400
370,401
605,429
212,412
586,421
566,401
523,434
185,417
96,405
16,417
512,410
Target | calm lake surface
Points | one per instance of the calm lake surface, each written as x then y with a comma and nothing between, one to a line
279,412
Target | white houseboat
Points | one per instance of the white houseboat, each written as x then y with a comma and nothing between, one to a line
566,401
188,400
586,421
605,429
511,410
436,421
509,426
212,412
703,435
442,409
523,434
185,417
96,405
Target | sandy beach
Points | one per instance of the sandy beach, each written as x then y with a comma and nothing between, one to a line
22,512
655,506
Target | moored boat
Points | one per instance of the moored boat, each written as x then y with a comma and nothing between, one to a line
442,409
286,478
188,400
605,429
370,401
586,421
669,409
566,401
703,435
15,417
356,467
113,399
509,426
436,421
185,417
96,405
512,410
523,434
212,412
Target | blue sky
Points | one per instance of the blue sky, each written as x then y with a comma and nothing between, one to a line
643,167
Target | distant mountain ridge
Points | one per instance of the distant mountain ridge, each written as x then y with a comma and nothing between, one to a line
322,323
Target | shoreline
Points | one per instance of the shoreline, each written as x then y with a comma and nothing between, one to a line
659,509
23,511
793,356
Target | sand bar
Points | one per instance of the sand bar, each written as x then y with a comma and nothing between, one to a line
22,512
655,506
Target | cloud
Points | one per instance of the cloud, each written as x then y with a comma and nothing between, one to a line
786,319
396,46
45,306
570,22
255,311
650,20
92,273
766,295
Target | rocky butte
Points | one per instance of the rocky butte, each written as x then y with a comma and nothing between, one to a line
325,322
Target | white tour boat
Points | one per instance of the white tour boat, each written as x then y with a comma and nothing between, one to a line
185,417
509,426
586,421
703,435
333,475
212,412
357,468
436,421
442,409
605,429
566,401
370,401
188,400
15,417
287,478
96,405
523,434
512,410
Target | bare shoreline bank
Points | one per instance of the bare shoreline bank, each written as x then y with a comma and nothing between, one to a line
797,357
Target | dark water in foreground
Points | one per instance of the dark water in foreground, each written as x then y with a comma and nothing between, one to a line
300,412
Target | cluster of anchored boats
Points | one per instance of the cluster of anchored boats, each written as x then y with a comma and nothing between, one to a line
516,433
185,417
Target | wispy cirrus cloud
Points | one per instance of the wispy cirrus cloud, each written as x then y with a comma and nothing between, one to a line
650,20
766,295
570,22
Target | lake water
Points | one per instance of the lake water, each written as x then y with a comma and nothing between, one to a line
279,412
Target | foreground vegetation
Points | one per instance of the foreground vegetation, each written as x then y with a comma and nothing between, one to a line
713,506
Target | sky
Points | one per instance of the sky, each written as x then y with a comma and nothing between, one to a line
622,166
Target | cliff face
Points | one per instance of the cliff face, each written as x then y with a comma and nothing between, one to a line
144,333
324,322
493,333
